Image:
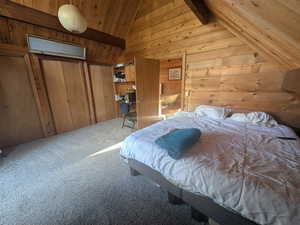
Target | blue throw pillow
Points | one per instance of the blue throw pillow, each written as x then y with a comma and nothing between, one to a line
178,141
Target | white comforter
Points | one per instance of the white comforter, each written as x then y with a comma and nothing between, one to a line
240,166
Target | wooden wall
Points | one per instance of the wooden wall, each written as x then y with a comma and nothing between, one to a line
45,95
67,94
113,17
19,117
172,29
291,81
14,32
221,69
61,88
270,27
239,78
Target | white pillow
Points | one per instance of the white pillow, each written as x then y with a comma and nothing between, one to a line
184,114
213,111
257,118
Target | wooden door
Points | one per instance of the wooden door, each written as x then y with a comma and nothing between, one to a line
102,88
67,92
130,72
19,116
147,93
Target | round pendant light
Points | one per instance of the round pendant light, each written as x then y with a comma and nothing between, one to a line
71,19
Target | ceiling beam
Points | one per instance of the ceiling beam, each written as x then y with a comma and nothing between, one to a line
200,9
25,14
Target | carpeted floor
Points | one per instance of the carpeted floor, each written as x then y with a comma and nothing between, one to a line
78,178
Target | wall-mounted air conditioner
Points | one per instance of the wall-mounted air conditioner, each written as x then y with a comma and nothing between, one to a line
56,48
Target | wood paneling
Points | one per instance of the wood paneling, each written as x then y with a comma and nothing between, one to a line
242,83
112,17
63,91
103,92
270,28
221,68
130,72
148,6
147,92
20,120
14,33
169,31
123,88
292,82
32,16
183,78
67,93
89,92
40,95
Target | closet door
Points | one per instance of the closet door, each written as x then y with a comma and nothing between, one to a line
102,88
147,93
19,117
65,83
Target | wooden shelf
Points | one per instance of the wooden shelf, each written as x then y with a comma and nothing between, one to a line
126,82
123,88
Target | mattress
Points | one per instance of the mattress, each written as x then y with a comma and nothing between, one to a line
242,167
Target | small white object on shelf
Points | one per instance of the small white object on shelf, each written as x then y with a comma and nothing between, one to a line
116,80
119,65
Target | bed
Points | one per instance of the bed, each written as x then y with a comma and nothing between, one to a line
236,174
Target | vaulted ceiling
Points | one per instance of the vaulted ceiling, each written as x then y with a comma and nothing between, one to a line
110,16
270,27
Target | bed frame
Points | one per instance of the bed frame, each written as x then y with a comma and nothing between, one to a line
202,207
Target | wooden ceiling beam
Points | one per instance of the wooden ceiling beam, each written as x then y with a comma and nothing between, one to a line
200,9
25,14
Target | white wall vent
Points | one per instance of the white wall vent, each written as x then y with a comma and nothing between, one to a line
56,48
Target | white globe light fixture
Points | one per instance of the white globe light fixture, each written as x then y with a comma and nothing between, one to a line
71,19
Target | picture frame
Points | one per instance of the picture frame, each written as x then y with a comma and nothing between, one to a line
175,73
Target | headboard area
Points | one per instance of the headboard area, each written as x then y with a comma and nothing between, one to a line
243,82
285,118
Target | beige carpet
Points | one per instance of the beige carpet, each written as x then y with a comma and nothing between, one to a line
78,178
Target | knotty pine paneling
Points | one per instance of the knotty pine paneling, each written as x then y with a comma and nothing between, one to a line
14,32
113,17
168,31
150,5
220,68
241,80
291,81
270,28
